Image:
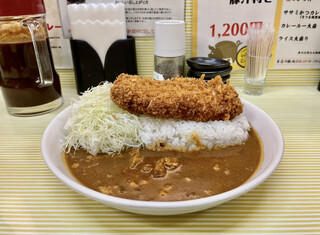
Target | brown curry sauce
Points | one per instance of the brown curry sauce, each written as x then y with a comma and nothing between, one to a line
167,176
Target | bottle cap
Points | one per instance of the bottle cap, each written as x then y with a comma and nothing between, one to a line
169,38
21,7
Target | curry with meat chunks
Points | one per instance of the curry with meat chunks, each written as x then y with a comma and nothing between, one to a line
146,175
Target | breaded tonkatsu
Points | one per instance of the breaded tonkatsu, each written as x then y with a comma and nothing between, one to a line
179,98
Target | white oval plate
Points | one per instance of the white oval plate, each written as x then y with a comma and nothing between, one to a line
269,132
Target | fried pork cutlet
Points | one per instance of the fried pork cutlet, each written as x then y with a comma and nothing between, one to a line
178,98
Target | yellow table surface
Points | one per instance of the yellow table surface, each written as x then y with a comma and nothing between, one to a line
34,201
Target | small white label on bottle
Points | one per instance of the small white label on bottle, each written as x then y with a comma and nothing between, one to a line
158,76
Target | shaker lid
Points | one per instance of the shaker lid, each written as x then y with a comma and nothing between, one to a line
169,38
21,7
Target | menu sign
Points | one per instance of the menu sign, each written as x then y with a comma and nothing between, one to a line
219,34
299,35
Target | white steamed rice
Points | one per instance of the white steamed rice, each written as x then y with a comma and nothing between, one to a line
159,133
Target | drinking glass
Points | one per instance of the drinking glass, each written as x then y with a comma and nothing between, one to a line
255,74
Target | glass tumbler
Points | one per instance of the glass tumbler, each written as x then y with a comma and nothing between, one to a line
255,74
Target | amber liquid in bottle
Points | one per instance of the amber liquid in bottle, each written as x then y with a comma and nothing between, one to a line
19,76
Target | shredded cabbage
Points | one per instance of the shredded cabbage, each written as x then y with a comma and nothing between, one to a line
98,125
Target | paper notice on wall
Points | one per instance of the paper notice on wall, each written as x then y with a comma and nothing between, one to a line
141,14
220,30
60,47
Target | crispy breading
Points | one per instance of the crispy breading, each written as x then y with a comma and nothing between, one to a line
179,98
